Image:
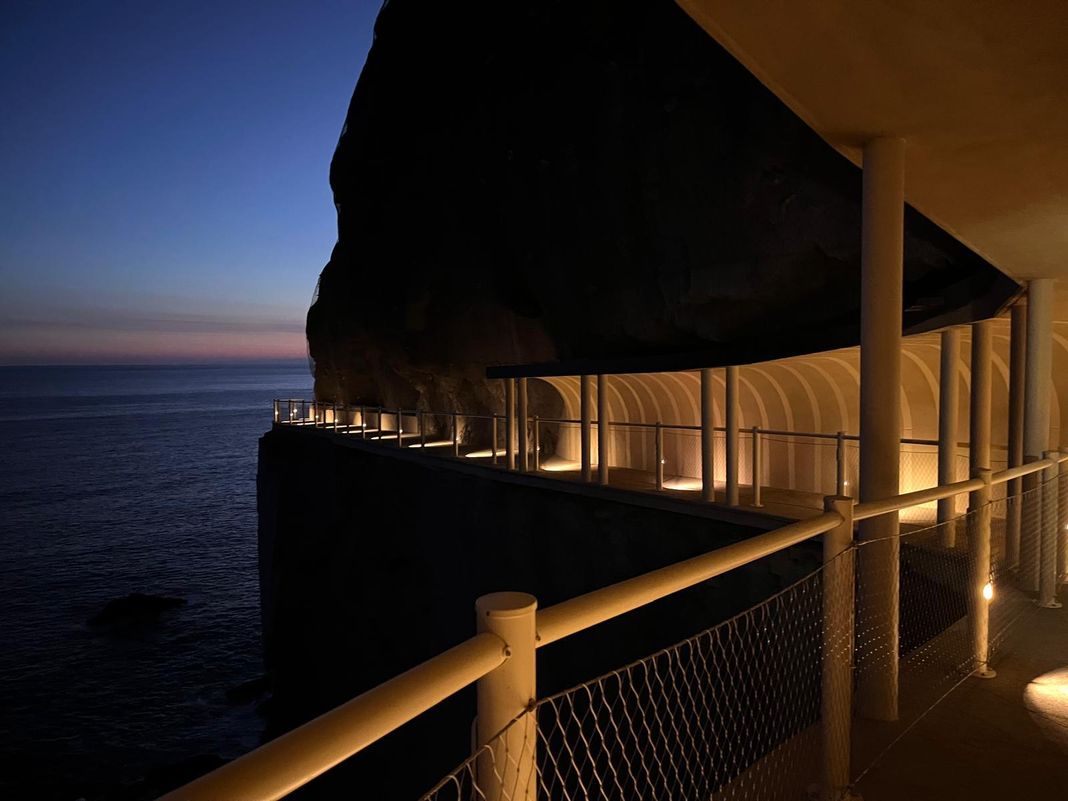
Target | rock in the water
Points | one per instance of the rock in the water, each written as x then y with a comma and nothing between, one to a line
135,608
249,691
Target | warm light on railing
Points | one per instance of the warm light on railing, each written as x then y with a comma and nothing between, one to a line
988,591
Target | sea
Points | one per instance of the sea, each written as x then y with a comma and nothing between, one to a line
116,480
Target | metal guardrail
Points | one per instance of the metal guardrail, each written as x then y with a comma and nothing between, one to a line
501,657
410,427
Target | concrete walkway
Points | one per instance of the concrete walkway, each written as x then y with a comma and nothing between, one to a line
1000,739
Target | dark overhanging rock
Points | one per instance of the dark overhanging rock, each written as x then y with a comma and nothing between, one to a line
535,182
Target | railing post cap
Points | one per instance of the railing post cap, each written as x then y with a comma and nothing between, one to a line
831,502
506,604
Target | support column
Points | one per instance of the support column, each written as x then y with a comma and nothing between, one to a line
708,438
981,589
732,424
524,416
948,428
507,767
979,423
1062,522
586,425
602,429
882,240
509,422
1014,489
1037,392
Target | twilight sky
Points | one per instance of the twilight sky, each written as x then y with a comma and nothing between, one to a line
163,174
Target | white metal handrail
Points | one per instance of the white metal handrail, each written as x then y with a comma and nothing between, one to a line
585,611
293,759
280,766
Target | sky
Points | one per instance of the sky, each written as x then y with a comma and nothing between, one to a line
164,191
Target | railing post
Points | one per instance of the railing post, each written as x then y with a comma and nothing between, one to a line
840,463
493,435
586,427
603,434
421,423
363,422
836,699
274,411
659,456
732,415
1047,579
509,422
455,434
537,445
524,434
708,438
506,764
335,417
756,467
400,429
981,588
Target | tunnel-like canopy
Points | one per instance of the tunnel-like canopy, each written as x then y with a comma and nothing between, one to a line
813,394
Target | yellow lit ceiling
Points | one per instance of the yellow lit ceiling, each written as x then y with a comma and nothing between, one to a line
978,88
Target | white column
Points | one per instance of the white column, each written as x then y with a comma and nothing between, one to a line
979,424
732,422
948,427
980,574
585,433
524,415
602,429
1037,392
708,438
1017,357
882,242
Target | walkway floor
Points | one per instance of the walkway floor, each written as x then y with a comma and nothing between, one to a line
775,502
997,739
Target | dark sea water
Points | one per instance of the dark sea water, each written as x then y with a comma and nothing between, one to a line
116,480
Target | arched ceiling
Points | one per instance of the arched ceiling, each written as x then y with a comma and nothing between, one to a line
978,89
820,392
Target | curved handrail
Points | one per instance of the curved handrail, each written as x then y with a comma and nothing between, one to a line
576,614
280,766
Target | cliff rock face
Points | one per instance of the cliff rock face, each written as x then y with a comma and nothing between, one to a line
532,181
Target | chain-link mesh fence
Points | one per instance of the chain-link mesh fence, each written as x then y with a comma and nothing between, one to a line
734,712
728,714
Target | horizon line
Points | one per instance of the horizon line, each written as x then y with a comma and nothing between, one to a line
210,363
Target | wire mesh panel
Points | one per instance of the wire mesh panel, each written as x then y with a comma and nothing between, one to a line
734,712
727,714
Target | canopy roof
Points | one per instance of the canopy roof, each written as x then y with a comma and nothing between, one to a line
978,89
